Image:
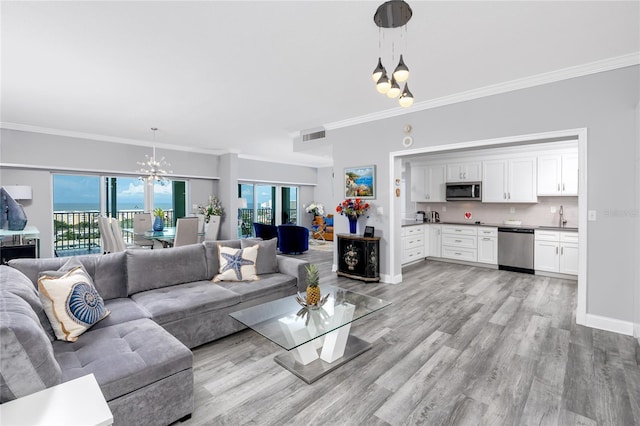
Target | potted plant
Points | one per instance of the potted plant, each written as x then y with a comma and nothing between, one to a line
158,223
211,212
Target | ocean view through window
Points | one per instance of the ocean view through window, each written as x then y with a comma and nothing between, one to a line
77,205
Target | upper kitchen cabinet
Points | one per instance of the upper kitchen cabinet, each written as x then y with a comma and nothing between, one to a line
509,180
558,174
464,172
428,183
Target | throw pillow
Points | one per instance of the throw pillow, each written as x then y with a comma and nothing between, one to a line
70,301
237,264
267,263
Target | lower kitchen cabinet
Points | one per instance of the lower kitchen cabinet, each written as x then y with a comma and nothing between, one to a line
460,242
488,245
359,257
413,243
435,240
556,252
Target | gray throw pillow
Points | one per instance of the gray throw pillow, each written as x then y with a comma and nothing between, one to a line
267,263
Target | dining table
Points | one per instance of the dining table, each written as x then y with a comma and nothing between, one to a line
166,236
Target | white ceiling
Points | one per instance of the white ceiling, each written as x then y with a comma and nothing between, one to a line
245,76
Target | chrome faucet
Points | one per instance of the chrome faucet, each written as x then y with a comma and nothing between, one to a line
563,221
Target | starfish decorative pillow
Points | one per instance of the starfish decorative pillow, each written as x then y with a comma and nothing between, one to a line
237,264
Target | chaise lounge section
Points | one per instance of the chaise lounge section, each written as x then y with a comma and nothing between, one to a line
162,303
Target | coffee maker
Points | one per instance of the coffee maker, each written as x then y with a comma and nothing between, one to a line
421,216
433,217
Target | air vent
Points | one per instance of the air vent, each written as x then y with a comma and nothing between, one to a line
312,136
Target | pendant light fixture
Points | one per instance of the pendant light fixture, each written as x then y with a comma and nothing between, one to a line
152,170
392,14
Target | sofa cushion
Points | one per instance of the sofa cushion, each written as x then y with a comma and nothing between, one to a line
124,357
211,254
16,282
268,284
122,310
237,264
71,302
27,362
267,262
151,269
184,300
108,271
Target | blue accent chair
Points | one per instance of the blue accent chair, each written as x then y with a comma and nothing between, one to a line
264,231
293,239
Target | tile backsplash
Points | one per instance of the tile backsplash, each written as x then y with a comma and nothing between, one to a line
530,214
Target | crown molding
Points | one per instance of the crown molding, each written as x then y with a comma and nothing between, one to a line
104,138
603,65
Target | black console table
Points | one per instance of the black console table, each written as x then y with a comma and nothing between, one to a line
359,257
19,244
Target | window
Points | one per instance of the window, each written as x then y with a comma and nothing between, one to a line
269,204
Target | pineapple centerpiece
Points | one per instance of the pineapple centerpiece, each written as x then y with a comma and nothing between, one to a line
313,287
313,299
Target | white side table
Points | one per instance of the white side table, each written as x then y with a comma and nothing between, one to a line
76,402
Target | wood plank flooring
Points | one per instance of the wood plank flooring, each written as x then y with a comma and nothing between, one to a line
459,345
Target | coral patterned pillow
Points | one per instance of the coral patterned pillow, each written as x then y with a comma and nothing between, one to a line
71,303
237,264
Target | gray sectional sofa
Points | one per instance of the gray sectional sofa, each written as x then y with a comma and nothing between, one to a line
162,303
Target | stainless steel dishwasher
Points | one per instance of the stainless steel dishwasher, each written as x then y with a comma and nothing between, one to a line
515,249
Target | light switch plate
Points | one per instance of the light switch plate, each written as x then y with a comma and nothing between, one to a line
553,209
380,210
591,215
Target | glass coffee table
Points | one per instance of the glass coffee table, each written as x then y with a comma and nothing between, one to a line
317,341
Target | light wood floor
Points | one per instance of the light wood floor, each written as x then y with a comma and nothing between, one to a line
459,345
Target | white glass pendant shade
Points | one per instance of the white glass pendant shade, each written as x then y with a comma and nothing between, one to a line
377,73
406,97
383,84
401,73
394,91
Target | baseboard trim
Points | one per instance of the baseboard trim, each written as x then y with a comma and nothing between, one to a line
609,324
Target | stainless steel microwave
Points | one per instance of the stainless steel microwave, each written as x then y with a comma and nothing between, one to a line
464,191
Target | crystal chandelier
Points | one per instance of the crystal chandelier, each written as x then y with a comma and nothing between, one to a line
393,14
152,170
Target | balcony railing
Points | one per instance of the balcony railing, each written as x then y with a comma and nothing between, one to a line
77,232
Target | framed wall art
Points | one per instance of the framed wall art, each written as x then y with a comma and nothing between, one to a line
360,182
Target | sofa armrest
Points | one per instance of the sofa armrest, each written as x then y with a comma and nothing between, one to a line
295,268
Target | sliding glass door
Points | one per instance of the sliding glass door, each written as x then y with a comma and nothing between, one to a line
268,204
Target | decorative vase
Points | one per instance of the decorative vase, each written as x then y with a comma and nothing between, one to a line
158,224
353,224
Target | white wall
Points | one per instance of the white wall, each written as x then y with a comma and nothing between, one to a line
637,217
604,103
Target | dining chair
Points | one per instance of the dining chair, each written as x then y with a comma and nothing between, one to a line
186,231
142,223
119,244
212,229
106,234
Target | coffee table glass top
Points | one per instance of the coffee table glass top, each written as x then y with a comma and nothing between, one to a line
278,320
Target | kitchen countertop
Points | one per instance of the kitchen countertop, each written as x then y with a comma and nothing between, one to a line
409,222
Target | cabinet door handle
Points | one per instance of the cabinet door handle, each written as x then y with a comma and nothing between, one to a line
563,186
562,251
458,241
558,187
458,254
556,250
486,239
504,195
509,195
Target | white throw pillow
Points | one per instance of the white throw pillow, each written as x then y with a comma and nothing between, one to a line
237,264
71,303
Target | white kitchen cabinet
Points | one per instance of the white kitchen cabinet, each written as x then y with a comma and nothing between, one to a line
558,174
460,242
428,183
435,240
556,252
464,172
488,245
413,243
509,180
